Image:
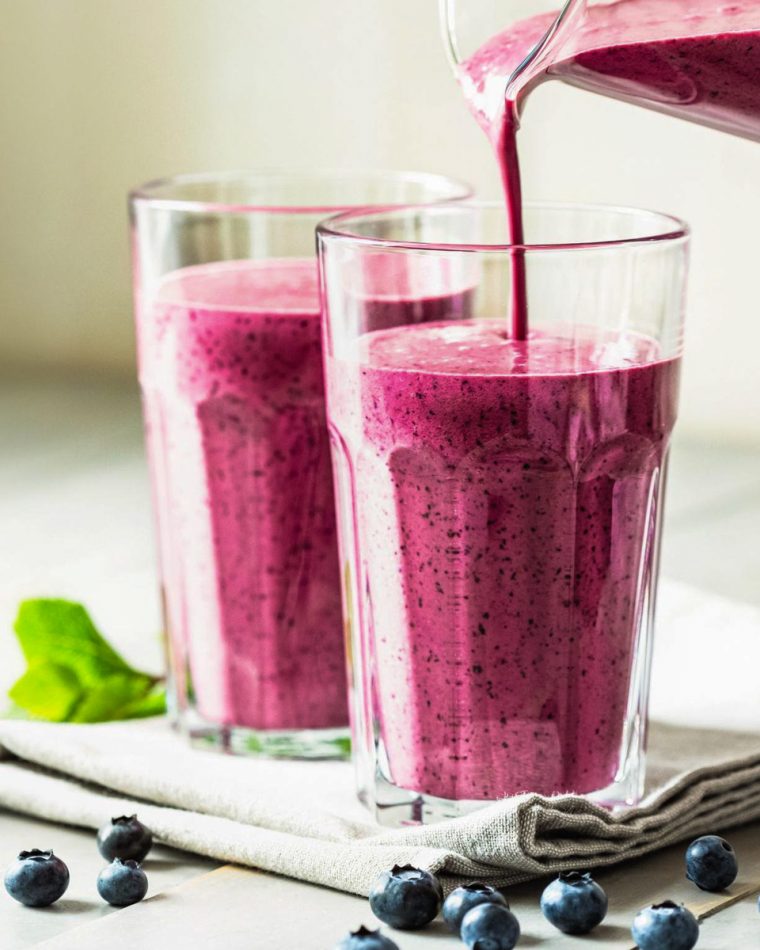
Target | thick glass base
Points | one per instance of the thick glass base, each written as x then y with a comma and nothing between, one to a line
270,744
394,806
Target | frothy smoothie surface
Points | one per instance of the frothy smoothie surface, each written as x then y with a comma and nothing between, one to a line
231,370
505,503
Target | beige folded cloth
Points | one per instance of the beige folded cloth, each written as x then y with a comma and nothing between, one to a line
301,819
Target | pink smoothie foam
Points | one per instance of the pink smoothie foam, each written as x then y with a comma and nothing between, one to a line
505,497
232,375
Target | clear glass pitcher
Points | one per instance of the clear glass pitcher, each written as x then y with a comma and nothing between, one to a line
693,59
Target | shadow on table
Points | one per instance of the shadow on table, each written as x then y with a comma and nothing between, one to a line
162,864
69,907
609,932
438,930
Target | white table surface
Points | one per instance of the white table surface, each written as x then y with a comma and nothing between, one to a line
75,522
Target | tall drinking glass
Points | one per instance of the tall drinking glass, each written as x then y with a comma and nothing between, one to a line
230,363
500,501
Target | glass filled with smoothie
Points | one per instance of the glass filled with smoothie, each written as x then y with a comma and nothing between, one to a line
500,481
231,371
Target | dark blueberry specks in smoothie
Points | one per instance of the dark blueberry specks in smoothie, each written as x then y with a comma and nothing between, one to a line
231,368
506,495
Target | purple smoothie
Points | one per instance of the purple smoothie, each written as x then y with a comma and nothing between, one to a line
232,375
505,497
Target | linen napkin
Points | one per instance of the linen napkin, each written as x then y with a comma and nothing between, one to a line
301,819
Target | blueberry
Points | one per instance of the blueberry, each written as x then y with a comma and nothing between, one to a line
405,897
665,926
122,883
490,927
37,878
464,898
125,838
711,863
363,939
574,903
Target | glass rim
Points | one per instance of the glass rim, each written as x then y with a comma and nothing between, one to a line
673,229
158,192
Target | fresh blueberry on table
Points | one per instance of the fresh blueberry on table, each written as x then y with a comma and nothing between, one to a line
363,939
464,898
122,883
126,838
37,878
665,926
711,863
405,897
490,927
574,903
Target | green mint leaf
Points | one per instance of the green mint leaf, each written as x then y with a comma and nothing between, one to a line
47,691
74,675
113,694
152,704
61,632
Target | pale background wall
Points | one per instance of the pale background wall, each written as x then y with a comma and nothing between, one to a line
98,95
